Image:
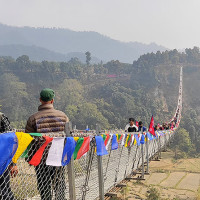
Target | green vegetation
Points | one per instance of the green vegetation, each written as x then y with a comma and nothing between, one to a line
108,93
182,143
153,194
85,92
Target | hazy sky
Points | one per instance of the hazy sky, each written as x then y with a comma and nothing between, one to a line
172,23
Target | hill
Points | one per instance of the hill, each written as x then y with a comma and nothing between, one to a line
66,41
40,54
108,93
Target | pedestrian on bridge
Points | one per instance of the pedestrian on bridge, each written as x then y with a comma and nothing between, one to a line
141,127
48,121
131,127
5,189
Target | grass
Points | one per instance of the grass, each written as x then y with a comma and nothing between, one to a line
167,166
24,186
180,181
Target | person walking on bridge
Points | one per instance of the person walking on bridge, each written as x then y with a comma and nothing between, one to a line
131,127
5,189
48,121
141,127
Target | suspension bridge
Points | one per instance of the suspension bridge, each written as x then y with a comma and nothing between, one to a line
94,176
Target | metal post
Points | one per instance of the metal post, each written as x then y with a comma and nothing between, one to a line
147,151
169,140
165,143
100,171
70,167
159,146
142,151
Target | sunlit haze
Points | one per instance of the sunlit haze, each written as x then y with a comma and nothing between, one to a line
171,23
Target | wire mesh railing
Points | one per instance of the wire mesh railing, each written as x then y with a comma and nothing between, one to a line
54,182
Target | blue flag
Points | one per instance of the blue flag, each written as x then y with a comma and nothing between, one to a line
68,151
8,147
142,139
114,142
160,133
149,136
101,149
137,139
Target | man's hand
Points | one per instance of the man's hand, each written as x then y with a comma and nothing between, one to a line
13,171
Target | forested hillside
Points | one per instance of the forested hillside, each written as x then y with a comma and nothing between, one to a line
106,93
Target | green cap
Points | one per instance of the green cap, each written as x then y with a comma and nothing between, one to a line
47,94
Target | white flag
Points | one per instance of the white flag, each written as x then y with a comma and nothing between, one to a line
123,140
109,140
55,152
133,137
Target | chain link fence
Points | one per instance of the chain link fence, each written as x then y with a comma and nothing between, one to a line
49,182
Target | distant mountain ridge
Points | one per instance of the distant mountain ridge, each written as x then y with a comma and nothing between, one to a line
65,41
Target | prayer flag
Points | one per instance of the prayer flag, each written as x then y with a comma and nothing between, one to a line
172,127
132,139
149,136
123,139
114,142
106,139
25,154
101,149
8,147
120,137
82,147
109,141
68,150
36,159
76,139
142,139
128,140
55,152
137,139
24,140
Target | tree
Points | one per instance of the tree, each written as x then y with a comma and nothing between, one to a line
88,58
183,142
23,62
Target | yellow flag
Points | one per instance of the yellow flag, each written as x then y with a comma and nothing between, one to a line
24,140
117,137
135,142
76,138
126,144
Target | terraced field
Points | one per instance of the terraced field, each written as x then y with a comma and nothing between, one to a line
177,180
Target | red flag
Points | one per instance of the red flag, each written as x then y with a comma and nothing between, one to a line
137,124
106,140
84,148
129,140
36,159
151,127
172,127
